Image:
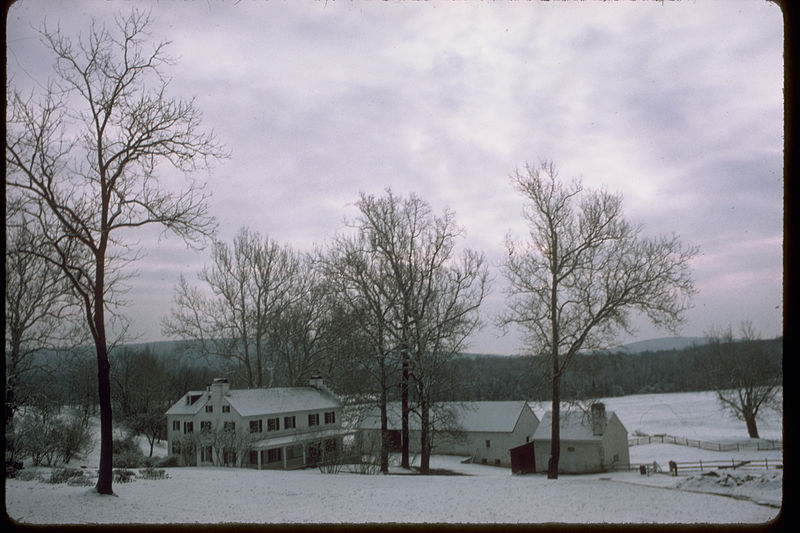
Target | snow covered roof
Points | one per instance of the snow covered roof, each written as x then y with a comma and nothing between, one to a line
495,417
181,407
254,402
573,425
297,438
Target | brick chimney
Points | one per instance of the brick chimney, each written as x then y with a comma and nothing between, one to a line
598,418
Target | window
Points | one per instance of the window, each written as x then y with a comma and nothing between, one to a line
176,447
273,424
229,426
209,408
488,444
274,455
330,417
288,422
313,419
226,408
176,425
205,425
188,427
206,455
255,426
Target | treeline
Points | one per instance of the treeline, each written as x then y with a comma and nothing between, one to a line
596,375
477,378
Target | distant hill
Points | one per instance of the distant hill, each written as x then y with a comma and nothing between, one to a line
660,345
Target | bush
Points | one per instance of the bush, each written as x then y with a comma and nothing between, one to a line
29,475
169,461
124,476
127,454
12,467
152,473
71,476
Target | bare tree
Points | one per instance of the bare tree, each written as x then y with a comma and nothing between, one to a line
746,374
303,335
82,159
444,317
357,276
434,300
141,391
574,285
250,285
38,310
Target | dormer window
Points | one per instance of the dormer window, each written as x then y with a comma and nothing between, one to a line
209,408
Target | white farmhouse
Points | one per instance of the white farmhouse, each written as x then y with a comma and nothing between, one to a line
277,428
484,431
589,442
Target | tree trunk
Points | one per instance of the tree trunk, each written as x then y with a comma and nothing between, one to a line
752,428
555,433
424,439
404,412
384,421
105,475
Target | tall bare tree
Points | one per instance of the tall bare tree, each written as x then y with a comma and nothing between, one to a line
745,374
357,276
446,313
584,270
83,157
250,284
303,335
431,295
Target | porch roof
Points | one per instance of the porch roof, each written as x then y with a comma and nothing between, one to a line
297,438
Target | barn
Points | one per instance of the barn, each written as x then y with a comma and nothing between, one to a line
484,431
590,442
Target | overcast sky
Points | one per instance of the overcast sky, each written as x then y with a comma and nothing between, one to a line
676,105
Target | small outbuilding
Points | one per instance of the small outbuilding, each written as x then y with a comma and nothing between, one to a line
589,442
482,430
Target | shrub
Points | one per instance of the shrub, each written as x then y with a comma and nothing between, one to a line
127,454
152,473
169,461
124,476
12,467
29,475
72,476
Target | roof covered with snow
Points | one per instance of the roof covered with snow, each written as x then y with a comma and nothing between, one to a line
254,402
251,402
490,417
573,425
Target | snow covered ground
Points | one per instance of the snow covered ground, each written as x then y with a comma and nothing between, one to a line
484,494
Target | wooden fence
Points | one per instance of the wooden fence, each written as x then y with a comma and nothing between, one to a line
675,468
705,445
736,464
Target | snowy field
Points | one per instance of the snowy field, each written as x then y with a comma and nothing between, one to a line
483,495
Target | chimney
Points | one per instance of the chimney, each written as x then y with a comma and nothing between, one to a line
318,383
598,418
220,386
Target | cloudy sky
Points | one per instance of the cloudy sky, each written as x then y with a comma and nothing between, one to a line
676,105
